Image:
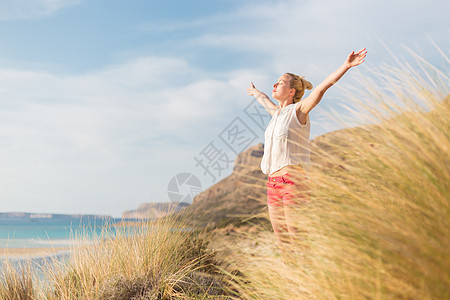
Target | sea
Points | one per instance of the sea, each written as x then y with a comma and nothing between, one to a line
49,231
35,232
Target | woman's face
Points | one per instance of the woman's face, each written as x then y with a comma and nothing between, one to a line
281,89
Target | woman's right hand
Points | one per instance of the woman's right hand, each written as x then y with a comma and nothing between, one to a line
252,91
357,58
262,99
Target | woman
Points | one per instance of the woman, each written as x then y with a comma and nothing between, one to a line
287,148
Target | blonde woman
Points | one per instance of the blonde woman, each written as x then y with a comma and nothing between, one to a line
287,147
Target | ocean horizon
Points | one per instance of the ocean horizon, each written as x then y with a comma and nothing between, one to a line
51,237
21,231
50,231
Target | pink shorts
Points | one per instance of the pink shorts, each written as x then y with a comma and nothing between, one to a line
285,190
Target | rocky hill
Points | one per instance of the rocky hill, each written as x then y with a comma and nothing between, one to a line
241,194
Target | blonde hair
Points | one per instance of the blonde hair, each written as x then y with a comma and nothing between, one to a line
299,83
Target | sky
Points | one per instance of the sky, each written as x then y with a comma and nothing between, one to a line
103,103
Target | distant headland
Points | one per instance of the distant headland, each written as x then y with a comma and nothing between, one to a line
23,215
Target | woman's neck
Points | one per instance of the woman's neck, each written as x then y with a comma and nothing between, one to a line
286,103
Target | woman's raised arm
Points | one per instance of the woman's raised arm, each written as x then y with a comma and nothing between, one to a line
262,98
353,59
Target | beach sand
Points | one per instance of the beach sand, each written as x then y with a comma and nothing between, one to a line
30,252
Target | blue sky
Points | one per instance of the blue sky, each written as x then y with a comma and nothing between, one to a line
102,102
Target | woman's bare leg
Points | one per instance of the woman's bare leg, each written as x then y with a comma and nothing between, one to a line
297,232
296,198
280,229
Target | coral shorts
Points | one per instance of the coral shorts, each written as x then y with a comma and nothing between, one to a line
287,190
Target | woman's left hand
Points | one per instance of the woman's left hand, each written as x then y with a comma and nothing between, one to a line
357,58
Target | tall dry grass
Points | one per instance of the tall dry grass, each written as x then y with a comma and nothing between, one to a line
378,223
17,283
162,259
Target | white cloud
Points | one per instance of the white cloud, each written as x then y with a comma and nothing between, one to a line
57,131
26,9
306,35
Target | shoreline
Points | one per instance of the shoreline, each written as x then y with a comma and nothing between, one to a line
18,253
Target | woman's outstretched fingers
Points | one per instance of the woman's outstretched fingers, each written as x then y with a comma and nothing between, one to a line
250,90
361,51
357,58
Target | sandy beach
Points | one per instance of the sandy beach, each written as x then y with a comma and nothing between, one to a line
30,252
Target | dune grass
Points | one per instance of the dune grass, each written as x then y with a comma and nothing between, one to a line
378,224
159,259
17,284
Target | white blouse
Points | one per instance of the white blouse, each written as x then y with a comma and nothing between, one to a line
286,141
